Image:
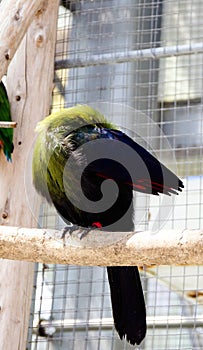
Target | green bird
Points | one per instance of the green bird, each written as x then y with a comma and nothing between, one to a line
76,151
6,134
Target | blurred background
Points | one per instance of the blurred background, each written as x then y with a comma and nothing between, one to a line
140,62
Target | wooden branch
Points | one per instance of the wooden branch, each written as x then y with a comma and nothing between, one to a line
165,247
29,87
15,18
6,125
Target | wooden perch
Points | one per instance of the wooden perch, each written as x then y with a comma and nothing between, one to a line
5,125
165,247
15,18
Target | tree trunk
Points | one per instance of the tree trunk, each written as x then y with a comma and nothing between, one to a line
29,81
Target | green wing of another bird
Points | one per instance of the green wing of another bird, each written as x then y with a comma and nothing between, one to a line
6,134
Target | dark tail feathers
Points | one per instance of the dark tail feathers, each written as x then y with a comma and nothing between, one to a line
128,303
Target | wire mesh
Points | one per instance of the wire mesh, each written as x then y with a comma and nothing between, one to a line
145,55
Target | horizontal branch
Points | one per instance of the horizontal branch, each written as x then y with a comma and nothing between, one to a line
6,125
178,247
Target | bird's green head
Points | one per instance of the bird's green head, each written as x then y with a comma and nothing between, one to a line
54,145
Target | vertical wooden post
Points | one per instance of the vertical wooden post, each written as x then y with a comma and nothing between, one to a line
30,82
15,18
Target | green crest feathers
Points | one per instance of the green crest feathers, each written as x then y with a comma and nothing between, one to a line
53,147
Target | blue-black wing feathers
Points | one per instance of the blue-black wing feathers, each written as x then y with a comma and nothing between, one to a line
151,176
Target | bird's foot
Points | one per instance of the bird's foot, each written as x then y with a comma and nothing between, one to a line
69,229
86,230
83,231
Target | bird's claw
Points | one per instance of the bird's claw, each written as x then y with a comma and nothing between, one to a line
84,232
70,229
